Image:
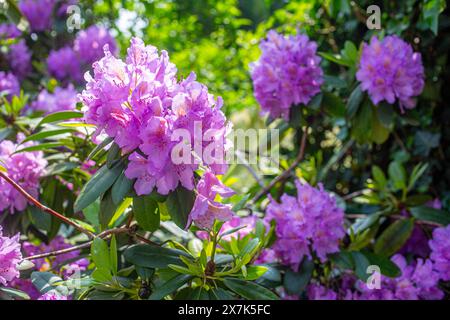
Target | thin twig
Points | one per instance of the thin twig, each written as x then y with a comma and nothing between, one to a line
44,208
286,173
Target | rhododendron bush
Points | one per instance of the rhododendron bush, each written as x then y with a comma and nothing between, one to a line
121,175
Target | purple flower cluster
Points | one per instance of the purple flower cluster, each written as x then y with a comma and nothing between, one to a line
418,281
310,220
389,69
206,209
10,256
141,104
9,31
9,84
61,99
52,296
19,58
287,74
24,168
45,264
440,251
89,44
63,64
38,13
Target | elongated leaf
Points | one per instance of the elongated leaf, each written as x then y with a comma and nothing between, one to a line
97,185
60,116
46,134
121,188
255,272
394,237
170,286
361,263
179,204
354,101
387,267
426,213
107,210
150,256
249,290
146,212
39,147
46,281
15,293
295,282
100,254
397,175
100,147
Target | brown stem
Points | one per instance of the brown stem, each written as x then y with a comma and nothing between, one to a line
287,172
31,199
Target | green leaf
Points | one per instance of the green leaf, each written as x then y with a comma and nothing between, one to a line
343,259
362,124
336,58
151,256
100,147
39,147
60,116
296,282
220,294
255,272
46,134
249,290
394,237
46,281
379,177
97,185
424,141
361,263
100,254
333,105
112,155
170,286
397,175
121,188
425,213
107,210
179,204
113,254
354,101
146,213
387,267
15,293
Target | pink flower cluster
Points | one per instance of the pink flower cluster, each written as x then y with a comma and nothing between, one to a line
19,57
140,103
65,269
38,13
9,85
61,99
89,44
206,209
440,251
389,69
10,256
310,220
68,62
24,168
52,296
287,73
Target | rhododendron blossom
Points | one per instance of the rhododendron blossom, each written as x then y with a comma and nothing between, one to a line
10,256
311,219
440,251
25,168
89,43
206,209
61,99
63,64
287,73
9,85
38,13
141,104
389,69
20,59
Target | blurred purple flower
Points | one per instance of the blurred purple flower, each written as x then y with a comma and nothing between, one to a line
19,58
287,73
63,64
10,256
9,31
89,44
389,69
440,251
38,13
60,100
310,220
9,85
